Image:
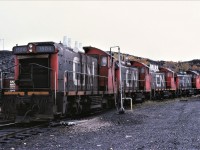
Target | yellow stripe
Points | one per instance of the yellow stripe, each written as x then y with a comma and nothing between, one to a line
14,93
38,93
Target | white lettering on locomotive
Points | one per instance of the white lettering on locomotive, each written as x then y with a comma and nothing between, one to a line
127,78
189,81
90,73
93,71
185,82
12,85
160,80
84,66
131,80
76,60
153,68
182,84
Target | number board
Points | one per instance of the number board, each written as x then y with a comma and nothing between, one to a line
45,49
20,50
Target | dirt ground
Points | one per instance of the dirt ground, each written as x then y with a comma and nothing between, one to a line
170,124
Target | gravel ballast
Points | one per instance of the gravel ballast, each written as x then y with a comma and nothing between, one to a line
170,124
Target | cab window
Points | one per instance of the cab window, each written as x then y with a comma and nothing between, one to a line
104,61
168,74
142,70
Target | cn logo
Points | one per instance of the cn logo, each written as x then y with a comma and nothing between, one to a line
160,80
87,70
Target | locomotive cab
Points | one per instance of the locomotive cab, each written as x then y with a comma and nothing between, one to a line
184,84
106,68
195,80
144,76
33,66
170,90
34,93
169,78
31,74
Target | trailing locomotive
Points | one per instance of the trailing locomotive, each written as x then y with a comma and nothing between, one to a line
53,80
184,84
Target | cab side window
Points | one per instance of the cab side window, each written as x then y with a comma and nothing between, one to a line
104,61
142,70
168,74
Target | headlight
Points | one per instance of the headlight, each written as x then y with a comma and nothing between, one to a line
30,46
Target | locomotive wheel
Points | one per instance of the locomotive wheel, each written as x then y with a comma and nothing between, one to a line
78,108
73,109
8,109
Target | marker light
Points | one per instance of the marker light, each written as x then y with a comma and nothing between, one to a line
30,48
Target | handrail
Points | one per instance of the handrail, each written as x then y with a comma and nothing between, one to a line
48,69
132,84
66,71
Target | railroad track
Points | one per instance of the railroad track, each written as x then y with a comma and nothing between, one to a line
10,133
2,122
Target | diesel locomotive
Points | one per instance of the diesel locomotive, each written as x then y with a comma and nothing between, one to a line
54,80
51,79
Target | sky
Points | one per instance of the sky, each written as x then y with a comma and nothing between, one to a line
159,30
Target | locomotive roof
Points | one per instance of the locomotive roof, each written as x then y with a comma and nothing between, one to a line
38,43
143,64
198,71
43,43
87,48
49,43
182,74
168,69
194,72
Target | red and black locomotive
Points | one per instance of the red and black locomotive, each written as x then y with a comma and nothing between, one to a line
52,79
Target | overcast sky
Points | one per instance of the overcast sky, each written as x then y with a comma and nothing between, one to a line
165,30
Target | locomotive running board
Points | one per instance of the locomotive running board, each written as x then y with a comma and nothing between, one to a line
73,93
